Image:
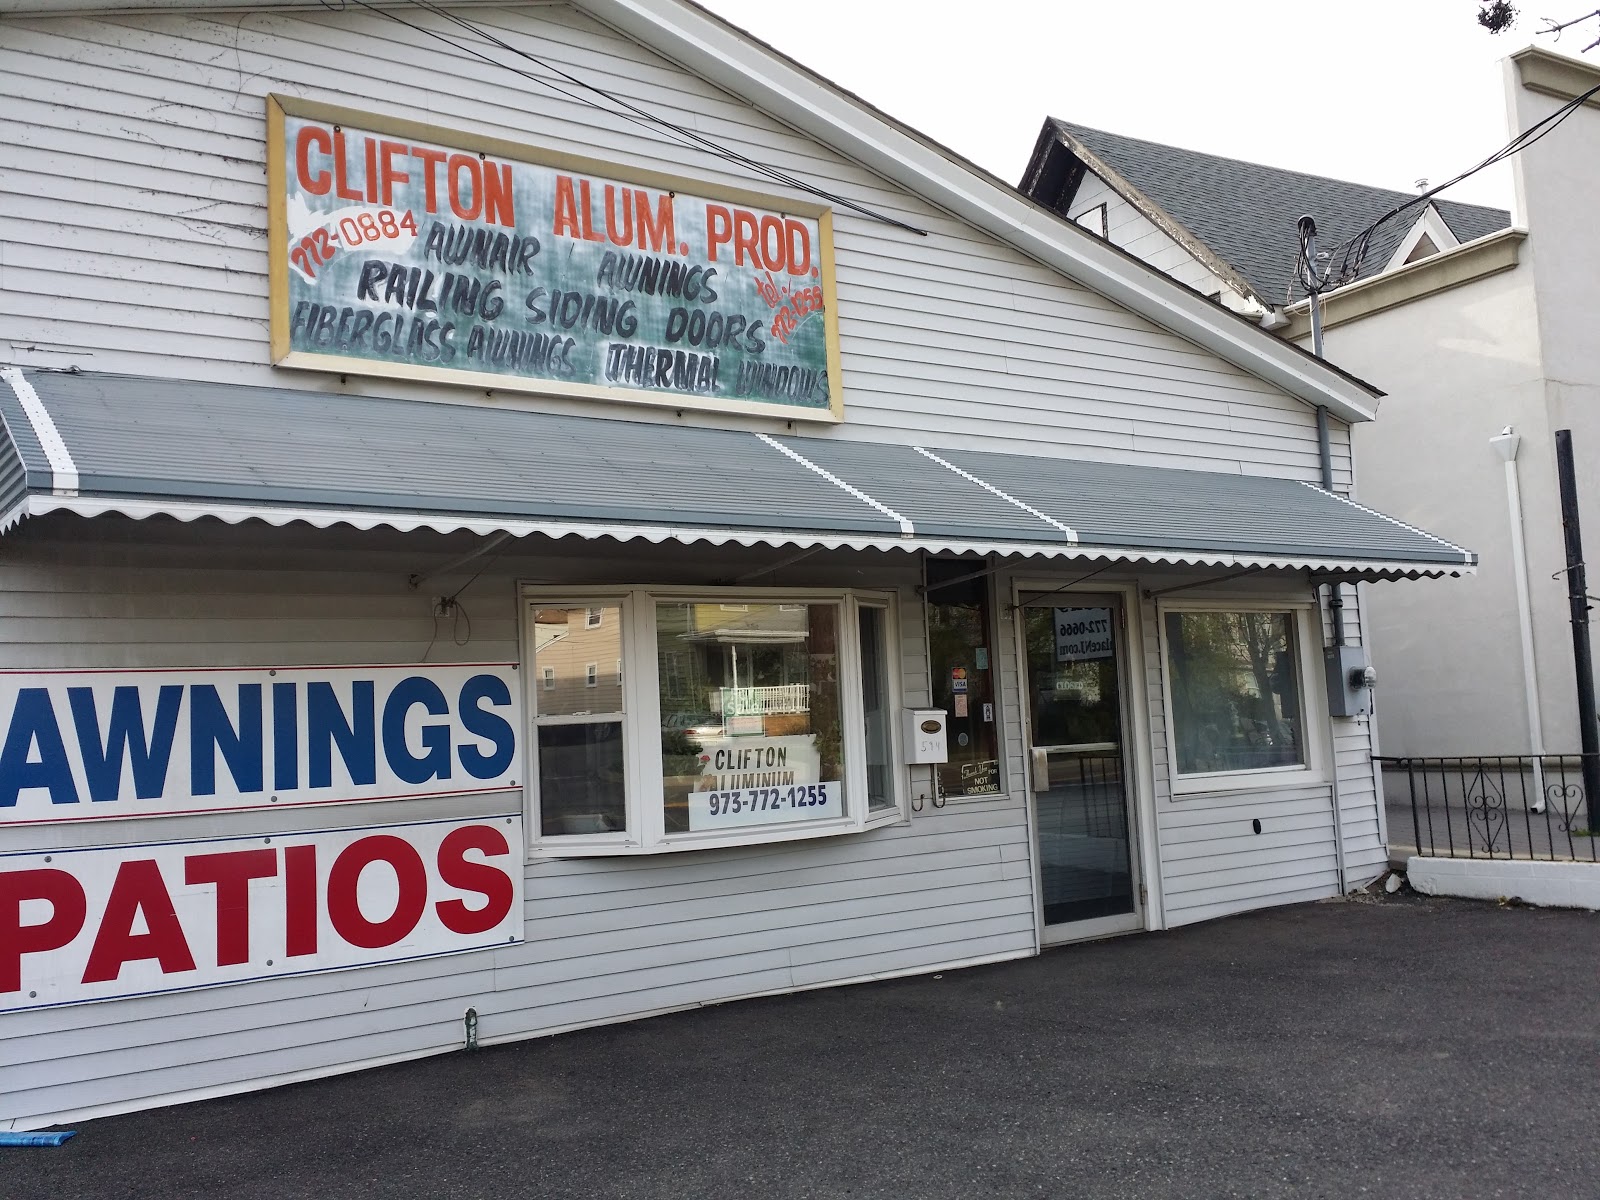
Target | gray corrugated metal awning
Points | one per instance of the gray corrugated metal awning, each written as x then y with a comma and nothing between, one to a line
93,443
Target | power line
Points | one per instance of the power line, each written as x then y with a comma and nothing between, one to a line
1354,249
625,109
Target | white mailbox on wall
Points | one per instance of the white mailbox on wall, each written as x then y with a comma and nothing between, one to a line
925,739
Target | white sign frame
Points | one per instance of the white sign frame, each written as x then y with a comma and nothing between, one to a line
128,900
276,737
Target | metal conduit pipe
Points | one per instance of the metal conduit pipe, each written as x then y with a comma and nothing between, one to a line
1308,232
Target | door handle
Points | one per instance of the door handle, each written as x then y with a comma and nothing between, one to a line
1041,769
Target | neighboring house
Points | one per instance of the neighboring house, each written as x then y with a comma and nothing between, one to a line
1229,229
481,561
1474,323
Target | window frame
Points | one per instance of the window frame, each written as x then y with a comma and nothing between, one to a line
893,702
1312,769
601,842
644,785
1101,213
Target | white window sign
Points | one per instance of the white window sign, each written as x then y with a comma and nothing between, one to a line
110,922
1083,634
761,781
84,745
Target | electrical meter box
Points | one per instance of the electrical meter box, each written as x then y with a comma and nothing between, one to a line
925,737
1350,681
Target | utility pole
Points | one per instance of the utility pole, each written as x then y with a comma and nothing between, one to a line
1578,601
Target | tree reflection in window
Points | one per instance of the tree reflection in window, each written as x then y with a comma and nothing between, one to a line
1234,681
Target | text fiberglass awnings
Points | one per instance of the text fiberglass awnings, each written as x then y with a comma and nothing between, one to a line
94,443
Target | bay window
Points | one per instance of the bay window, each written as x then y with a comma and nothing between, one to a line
738,718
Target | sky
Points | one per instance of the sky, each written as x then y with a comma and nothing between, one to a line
1384,93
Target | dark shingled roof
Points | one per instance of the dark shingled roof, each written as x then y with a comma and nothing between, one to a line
1246,213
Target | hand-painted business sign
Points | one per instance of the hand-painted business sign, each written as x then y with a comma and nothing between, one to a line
84,745
108,922
401,250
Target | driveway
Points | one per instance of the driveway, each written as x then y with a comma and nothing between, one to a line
1397,1048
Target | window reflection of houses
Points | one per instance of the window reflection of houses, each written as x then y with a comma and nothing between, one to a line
577,651
745,667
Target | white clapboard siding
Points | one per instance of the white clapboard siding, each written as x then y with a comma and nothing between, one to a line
606,938
1131,230
1134,232
132,225
1366,852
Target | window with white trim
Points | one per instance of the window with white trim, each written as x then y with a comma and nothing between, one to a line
1235,694
577,741
734,718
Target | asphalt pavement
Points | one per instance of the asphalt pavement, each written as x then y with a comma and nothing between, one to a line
1405,1047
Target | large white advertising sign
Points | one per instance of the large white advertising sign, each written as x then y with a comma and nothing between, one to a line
84,745
98,924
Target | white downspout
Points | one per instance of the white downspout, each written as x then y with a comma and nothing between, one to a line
1508,443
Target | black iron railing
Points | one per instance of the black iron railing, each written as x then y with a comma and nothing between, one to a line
1491,806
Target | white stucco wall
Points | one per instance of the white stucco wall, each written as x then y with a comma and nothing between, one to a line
1557,179
1448,650
1515,349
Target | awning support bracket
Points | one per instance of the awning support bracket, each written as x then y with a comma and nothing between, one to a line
788,560
1071,583
418,578
923,589
1184,587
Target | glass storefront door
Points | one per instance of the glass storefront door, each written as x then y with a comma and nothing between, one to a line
1079,770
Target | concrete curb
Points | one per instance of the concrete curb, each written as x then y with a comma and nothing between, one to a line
1548,884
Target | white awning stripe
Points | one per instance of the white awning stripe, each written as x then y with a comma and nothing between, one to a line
63,470
1067,530
905,525
1422,533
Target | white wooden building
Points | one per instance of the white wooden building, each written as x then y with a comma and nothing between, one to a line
361,700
